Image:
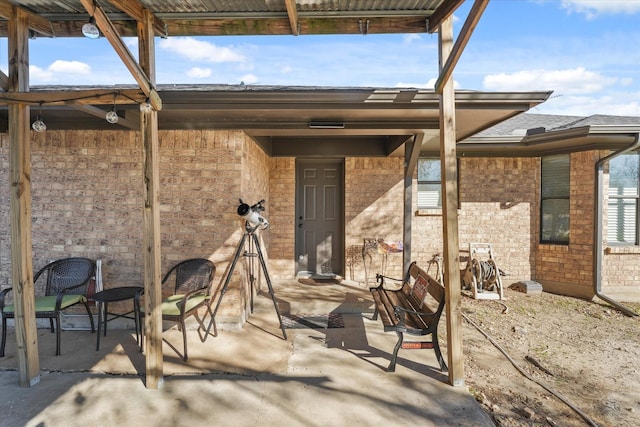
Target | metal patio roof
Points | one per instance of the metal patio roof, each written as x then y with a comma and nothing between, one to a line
240,17
283,120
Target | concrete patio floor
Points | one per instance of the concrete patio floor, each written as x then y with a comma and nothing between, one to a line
252,377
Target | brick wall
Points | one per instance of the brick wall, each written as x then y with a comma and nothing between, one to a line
373,209
498,205
87,201
282,217
250,169
568,268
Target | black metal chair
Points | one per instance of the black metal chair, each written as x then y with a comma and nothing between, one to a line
192,291
67,284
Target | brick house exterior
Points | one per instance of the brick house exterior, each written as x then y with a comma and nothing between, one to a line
86,188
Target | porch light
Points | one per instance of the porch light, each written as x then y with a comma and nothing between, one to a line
39,125
112,116
90,30
145,107
325,125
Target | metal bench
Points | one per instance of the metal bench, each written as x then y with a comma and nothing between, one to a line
414,308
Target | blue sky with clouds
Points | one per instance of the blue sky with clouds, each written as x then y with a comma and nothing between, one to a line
586,51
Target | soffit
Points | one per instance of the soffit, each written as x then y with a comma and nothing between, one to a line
536,135
279,118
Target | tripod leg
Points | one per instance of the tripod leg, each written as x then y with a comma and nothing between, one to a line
266,276
252,277
228,279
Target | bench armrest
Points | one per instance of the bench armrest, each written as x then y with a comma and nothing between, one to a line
400,313
380,279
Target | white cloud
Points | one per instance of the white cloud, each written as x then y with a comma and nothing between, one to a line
627,81
567,82
71,67
410,38
199,72
249,79
59,70
198,50
616,104
593,8
38,75
430,84
132,43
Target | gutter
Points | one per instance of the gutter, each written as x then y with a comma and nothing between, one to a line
597,250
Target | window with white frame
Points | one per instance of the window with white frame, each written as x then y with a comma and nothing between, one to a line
429,184
622,210
554,203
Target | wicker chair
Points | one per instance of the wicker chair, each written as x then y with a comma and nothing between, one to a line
193,280
67,284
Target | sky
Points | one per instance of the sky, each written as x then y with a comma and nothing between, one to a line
586,51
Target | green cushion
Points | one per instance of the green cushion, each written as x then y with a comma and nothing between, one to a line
48,303
171,305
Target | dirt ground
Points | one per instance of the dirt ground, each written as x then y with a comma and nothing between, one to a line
578,362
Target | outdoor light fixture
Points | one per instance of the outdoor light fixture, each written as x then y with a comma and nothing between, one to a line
90,30
112,116
145,107
325,125
39,125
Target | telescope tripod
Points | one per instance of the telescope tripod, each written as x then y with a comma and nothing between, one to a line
250,233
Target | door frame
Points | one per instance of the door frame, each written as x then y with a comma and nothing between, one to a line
340,244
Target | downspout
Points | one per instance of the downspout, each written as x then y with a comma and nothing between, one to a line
597,250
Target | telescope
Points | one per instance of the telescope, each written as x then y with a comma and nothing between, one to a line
252,215
253,221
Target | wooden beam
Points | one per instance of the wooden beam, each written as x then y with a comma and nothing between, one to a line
463,38
151,215
292,11
395,142
4,81
85,97
268,25
449,172
411,154
100,113
444,11
111,34
20,205
35,22
135,9
306,25
411,158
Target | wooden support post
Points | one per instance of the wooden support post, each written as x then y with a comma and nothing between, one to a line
151,237
20,201
411,154
448,157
